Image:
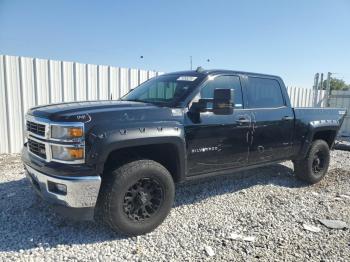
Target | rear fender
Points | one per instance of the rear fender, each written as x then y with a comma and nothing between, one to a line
314,128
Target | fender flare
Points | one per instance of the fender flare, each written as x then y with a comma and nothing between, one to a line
116,140
312,130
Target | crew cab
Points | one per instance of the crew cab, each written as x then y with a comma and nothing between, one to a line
120,160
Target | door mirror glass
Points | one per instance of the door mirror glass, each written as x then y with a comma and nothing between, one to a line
201,105
221,104
223,101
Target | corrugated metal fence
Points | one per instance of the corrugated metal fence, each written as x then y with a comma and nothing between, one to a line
27,82
304,97
341,99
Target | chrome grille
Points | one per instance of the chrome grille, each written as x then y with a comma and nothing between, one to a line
37,148
36,128
40,141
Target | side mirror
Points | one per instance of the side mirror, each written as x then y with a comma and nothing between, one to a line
201,105
223,101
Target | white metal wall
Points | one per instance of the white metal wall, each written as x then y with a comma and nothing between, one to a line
27,82
303,97
341,99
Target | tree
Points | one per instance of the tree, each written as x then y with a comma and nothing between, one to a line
336,84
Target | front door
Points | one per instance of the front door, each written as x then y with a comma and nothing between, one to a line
218,142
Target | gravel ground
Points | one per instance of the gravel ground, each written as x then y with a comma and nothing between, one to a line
343,143
254,215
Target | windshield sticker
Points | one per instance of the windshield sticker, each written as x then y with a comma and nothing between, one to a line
176,112
186,78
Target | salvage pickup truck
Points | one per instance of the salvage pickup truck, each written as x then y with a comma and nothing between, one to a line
121,159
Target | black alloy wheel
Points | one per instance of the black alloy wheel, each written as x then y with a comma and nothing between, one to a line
314,166
143,199
136,197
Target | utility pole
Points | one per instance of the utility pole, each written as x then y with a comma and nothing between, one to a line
317,75
320,88
190,62
328,89
321,82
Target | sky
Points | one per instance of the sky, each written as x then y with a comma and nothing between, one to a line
292,39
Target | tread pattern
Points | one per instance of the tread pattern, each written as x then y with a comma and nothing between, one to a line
302,167
114,181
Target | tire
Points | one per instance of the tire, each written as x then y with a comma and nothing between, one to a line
137,197
315,166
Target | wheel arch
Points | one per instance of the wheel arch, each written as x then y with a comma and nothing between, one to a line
326,133
168,151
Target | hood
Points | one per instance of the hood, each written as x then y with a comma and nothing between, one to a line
107,110
64,111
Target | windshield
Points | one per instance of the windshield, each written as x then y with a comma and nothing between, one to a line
164,90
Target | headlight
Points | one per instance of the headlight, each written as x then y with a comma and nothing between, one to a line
67,153
66,132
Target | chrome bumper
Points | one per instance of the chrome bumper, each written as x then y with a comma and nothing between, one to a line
80,191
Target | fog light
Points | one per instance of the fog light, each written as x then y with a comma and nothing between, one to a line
56,188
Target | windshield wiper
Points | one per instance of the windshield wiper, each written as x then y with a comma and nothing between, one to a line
157,103
136,100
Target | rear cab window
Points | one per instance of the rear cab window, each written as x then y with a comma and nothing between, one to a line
264,93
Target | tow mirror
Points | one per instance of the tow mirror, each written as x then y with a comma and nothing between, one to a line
221,104
223,101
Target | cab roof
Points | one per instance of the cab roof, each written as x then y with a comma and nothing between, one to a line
207,72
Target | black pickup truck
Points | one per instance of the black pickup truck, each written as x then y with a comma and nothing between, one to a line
121,159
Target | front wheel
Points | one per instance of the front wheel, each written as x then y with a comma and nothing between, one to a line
137,197
314,167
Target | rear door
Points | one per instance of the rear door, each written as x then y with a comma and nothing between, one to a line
272,120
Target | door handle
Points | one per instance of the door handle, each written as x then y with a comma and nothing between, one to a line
285,118
243,120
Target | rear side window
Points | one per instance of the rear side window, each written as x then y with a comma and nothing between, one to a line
264,93
227,82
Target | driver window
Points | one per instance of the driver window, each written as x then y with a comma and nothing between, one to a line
227,82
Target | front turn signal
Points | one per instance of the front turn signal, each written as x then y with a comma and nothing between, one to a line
76,153
75,132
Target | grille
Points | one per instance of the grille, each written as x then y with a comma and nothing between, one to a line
37,148
36,128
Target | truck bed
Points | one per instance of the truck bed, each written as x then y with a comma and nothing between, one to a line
319,116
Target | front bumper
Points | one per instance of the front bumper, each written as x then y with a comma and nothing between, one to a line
78,200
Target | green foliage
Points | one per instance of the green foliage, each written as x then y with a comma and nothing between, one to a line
336,84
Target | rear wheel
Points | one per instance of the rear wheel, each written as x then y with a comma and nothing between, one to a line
137,197
314,167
